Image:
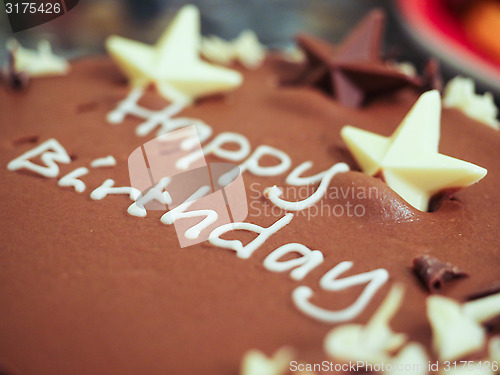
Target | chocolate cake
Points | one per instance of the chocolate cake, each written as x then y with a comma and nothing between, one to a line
88,288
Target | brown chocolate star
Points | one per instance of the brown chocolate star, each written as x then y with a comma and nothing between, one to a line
354,71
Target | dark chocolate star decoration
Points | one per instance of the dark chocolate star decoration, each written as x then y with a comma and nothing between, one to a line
353,71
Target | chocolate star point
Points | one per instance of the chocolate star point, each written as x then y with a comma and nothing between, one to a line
364,42
314,72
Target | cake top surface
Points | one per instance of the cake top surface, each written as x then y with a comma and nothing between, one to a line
90,287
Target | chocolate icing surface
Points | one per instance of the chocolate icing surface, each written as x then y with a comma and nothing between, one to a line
86,288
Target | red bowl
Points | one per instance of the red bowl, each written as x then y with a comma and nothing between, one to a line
434,26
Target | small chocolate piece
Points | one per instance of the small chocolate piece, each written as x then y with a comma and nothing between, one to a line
434,273
485,292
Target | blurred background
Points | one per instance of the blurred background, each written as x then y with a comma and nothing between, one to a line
82,31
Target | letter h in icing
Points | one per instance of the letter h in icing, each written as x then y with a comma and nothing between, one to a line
199,198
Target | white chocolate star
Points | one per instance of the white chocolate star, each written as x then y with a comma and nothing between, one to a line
454,334
409,159
411,360
371,342
486,366
457,329
173,64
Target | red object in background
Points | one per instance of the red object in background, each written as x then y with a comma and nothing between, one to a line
441,17
438,28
